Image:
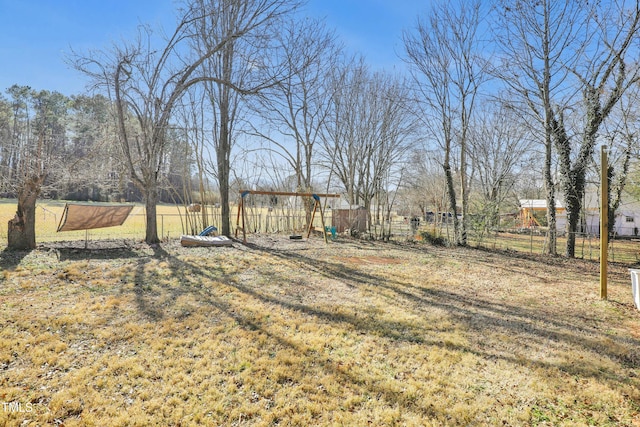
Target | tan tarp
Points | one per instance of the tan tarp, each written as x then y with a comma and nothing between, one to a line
86,217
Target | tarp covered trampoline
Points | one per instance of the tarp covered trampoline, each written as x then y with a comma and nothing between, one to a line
81,216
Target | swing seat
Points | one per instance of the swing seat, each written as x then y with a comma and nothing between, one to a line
331,230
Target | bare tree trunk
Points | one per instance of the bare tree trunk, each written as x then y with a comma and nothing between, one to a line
21,229
223,158
617,186
451,193
573,189
148,83
449,74
551,243
151,201
464,192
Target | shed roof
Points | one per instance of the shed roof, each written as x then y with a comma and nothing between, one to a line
537,203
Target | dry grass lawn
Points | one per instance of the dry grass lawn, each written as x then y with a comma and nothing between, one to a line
282,332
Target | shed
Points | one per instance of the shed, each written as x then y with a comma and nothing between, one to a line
352,218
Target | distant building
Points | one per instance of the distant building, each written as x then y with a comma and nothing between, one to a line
626,221
627,218
532,208
349,217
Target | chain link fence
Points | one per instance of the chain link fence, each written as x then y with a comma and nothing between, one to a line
587,245
173,221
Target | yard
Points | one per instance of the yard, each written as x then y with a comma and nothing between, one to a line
281,332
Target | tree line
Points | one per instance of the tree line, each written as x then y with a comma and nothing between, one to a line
499,101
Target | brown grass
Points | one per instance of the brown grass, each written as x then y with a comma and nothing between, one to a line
281,332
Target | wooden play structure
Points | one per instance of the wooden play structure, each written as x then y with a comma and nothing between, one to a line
241,218
529,208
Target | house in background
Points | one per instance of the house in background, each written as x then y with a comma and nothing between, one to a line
627,218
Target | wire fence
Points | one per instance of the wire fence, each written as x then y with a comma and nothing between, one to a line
173,225
169,227
587,245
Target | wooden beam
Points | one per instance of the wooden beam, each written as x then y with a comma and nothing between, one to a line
604,221
285,193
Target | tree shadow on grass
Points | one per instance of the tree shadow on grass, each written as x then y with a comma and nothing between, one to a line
194,279
479,315
254,323
10,258
481,319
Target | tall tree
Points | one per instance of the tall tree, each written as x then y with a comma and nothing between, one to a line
424,186
296,109
620,133
603,76
498,146
6,147
45,113
567,61
248,62
368,131
535,39
92,169
146,81
196,157
442,52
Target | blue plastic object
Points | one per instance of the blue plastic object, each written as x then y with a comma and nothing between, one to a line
331,230
210,229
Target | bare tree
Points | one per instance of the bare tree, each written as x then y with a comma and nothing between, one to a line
498,145
146,82
424,186
368,132
535,38
296,109
340,141
604,76
620,132
448,72
249,61
567,61
192,116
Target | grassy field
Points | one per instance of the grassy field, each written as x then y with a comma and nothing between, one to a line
281,332
587,247
172,223
49,213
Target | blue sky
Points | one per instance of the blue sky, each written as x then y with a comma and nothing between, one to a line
36,34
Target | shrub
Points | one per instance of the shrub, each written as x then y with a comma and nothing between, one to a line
432,238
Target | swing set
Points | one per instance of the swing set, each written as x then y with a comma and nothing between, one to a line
241,219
